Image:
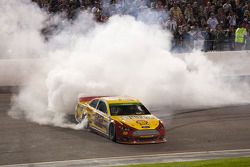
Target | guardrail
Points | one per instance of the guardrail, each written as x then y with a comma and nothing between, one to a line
208,45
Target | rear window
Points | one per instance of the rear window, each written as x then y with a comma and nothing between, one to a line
128,109
93,103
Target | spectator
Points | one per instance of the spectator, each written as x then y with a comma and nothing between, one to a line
201,11
245,6
240,37
213,9
221,18
246,14
203,24
233,4
248,40
208,9
230,37
227,6
188,13
212,22
175,11
73,8
159,6
245,22
213,39
220,37
207,37
218,4
86,3
177,42
232,19
181,21
248,5
202,20
54,6
239,13
197,38
171,24
195,9
186,39
42,3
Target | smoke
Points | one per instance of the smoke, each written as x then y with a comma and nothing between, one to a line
19,31
141,10
124,56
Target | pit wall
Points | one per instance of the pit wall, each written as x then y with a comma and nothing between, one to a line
13,72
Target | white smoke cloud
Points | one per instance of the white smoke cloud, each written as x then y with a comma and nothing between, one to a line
19,31
121,57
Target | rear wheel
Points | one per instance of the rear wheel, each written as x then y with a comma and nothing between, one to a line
86,123
79,114
112,134
78,117
82,120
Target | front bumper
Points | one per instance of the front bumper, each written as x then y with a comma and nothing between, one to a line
141,141
131,138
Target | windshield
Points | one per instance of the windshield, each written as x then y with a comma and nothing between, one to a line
128,109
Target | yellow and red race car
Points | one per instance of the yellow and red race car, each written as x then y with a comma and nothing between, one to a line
122,119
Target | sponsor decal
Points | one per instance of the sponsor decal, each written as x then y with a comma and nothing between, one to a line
137,117
142,122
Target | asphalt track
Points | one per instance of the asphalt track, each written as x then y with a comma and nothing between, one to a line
226,128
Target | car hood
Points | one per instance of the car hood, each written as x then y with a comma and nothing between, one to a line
140,122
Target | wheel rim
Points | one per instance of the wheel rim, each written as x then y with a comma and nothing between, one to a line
112,132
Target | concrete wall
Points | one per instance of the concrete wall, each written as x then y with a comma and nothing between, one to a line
14,71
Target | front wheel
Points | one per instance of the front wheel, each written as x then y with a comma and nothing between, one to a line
112,134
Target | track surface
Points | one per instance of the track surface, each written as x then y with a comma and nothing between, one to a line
215,129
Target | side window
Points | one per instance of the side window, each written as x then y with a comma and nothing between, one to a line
93,103
102,107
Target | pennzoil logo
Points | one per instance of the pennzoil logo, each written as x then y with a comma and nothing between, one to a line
142,122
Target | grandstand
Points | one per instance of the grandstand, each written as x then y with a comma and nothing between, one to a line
201,24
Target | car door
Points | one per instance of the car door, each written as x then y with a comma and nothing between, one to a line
101,117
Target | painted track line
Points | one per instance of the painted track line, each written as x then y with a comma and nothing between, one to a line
156,158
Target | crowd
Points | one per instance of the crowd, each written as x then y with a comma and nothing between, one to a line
205,24
210,25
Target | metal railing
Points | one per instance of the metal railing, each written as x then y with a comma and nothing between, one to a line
208,45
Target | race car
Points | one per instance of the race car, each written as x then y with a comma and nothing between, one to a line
121,119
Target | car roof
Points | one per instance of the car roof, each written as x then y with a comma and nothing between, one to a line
120,99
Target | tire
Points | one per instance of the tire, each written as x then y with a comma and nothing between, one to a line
87,125
112,134
79,118
71,118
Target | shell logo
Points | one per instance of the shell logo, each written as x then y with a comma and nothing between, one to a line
142,122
